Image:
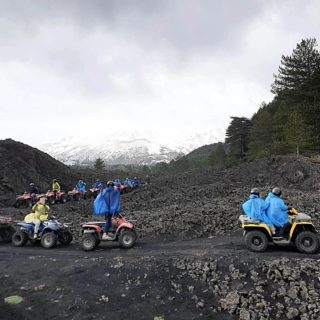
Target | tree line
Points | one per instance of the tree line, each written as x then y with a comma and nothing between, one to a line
290,123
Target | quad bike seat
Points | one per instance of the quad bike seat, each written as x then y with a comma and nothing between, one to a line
244,219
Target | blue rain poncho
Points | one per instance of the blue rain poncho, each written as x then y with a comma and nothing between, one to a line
81,187
107,202
128,182
117,183
98,185
256,208
277,211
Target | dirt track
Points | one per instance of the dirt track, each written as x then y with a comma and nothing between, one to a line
144,282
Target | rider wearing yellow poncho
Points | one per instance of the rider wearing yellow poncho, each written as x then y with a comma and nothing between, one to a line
39,214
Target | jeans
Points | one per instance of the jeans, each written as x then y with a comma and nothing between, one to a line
108,222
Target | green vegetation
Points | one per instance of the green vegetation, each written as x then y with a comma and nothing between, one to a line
290,123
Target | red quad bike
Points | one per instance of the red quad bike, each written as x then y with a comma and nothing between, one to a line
6,229
53,198
75,195
93,192
26,200
122,189
122,231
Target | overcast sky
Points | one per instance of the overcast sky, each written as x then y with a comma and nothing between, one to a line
176,67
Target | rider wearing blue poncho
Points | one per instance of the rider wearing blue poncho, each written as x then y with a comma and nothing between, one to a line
277,211
256,208
128,182
117,183
81,186
113,207
98,184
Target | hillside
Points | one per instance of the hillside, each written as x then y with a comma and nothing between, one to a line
21,164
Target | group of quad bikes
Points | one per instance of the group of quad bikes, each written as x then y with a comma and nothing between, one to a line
25,200
52,232
300,232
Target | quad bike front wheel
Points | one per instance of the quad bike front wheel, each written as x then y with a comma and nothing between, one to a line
48,240
307,242
65,237
256,241
89,242
127,239
19,238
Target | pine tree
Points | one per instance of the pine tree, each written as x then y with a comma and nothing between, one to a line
237,136
260,137
99,164
297,71
297,133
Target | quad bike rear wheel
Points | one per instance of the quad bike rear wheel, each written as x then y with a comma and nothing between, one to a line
89,242
19,238
51,200
48,240
65,237
6,233
307,242
63,199
256,241
127,239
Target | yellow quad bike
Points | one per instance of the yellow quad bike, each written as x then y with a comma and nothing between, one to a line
300,232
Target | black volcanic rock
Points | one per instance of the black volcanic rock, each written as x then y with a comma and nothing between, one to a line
21,164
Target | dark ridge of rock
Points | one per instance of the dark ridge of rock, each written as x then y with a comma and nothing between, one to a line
21,164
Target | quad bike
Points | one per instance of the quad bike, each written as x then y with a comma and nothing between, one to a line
93,192
122,231
26,200
53,198
50,231
122,189
299,232
76,195
6,229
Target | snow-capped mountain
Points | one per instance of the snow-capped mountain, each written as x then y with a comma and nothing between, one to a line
132,149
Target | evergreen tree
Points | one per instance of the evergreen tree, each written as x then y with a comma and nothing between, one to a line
237,136
260,138
297,133
99,164
218,157
297,71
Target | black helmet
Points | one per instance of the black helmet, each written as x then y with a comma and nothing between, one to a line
110,183
276,191
255,191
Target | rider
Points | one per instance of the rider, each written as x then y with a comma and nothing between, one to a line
128,183
33,190
81,187
112,198
39,214
117,183
256,208
277,211
55,186
97,185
